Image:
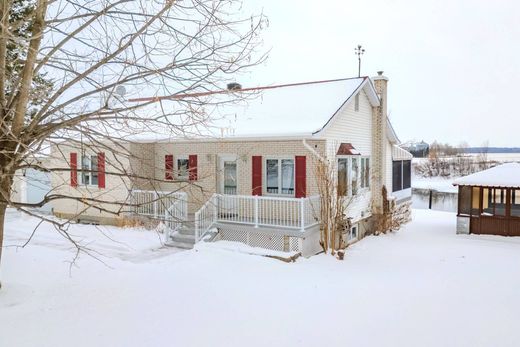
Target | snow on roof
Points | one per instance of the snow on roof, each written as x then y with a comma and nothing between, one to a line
390,132
302,109
399,153
505,175
279,110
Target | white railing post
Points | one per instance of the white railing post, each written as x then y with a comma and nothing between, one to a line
302,214
197,226
167,227
155,197
215,207
256,211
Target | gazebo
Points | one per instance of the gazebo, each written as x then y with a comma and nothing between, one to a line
489,201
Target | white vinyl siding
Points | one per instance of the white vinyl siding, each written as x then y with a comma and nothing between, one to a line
355,127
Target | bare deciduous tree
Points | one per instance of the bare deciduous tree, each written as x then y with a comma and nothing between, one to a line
68,68
334,201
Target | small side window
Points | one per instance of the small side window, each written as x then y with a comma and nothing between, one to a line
353,234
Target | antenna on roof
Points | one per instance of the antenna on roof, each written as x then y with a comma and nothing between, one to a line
359,51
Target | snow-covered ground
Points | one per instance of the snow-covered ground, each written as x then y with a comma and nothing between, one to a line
421,286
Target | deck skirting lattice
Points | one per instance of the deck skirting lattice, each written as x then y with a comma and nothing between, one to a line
283,243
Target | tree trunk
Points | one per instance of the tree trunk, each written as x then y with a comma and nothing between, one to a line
5,192
2,220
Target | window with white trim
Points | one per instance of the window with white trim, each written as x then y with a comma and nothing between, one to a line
365,172
89,170
353,174
355,177
343,182
279,176
182,168
353,233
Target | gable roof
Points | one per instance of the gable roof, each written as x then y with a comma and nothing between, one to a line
505,176
390,132
278,110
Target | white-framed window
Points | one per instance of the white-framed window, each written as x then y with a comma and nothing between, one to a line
182,167
89,170
353,174
279,176
356,102
353,233
343,182
365,172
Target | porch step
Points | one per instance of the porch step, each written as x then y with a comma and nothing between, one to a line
182,245
187,230
185,238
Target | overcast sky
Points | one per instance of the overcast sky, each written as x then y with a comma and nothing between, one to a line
454,66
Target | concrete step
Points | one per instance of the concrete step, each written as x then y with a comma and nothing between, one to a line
179,244
186,230
183,238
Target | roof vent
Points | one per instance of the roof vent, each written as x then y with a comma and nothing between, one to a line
234,86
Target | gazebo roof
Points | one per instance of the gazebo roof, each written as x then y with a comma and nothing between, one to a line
505,175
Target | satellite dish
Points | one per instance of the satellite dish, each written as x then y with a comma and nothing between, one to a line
120,90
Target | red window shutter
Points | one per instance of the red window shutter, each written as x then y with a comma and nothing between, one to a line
74,169
301,177
257,175
168,167
101,169
192,167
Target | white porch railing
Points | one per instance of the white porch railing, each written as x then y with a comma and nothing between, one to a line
153,203
288,213
170,207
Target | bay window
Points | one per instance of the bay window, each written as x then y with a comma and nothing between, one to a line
279,176
365,172
353,175
343,176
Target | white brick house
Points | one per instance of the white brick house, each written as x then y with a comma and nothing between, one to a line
253,178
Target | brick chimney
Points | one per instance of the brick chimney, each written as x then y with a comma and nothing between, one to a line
379,169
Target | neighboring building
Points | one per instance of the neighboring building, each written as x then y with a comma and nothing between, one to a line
489,201
418,149
256,182
31,185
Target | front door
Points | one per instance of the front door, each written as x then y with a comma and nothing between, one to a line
228,204
228,182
